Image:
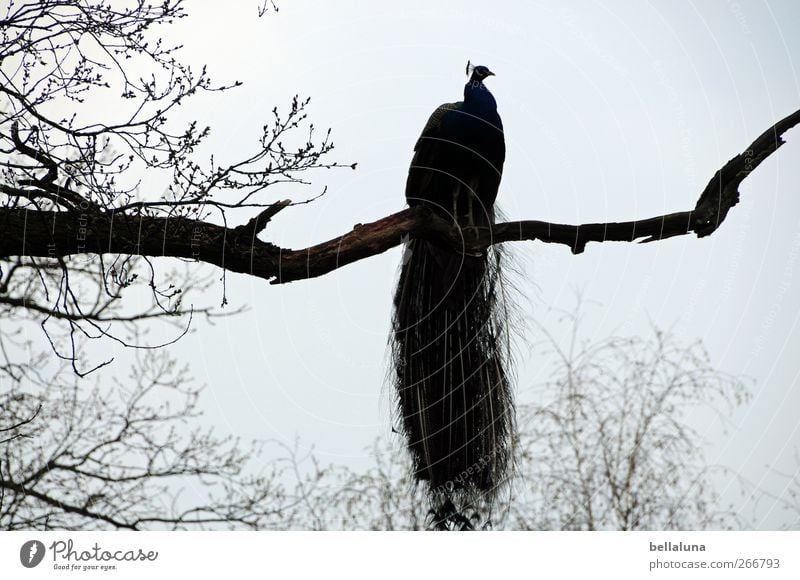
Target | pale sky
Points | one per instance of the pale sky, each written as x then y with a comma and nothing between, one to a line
612,111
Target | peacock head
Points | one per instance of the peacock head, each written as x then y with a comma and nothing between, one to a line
479,72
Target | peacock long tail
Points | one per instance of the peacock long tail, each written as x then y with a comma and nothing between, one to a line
450,356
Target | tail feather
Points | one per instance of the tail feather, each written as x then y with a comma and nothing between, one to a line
450,358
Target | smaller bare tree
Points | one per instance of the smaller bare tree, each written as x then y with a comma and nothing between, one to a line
614,447
131,456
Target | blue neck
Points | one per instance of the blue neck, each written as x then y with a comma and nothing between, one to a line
478,98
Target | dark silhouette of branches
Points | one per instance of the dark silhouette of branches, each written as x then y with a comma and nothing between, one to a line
68,159
129,456
15,431
82,301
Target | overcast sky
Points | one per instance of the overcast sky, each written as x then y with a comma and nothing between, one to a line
613,111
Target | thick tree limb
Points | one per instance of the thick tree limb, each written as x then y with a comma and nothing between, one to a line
59,234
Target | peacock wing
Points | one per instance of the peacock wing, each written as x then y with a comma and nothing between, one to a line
428,156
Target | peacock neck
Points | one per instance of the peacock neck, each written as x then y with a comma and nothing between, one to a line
478,98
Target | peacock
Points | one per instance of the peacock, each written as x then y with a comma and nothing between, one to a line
449,335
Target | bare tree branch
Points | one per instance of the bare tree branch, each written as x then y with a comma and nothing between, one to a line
58,233
129,457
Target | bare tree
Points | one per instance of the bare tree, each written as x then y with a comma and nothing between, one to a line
614,447
130,455
67,163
